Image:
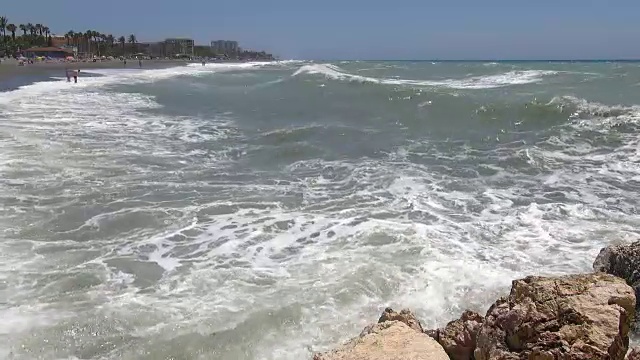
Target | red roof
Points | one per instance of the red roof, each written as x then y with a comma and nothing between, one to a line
49,49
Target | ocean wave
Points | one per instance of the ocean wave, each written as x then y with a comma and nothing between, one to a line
584,108
334,72
130,76
190,254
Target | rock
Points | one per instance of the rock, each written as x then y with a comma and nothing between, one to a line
634,354
405,316
622,261
389,340
458,338
570,317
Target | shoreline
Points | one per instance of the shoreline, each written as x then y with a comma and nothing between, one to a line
590,315
13,76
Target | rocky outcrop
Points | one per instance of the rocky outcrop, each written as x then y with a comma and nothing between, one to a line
570,317
458,338
390,340
622,261
574,317
396,336
405,316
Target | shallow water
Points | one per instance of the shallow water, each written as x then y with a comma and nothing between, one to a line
269,210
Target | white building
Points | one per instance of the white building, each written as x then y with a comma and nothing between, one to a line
179,46
224,46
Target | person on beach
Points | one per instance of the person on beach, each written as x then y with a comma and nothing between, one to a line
140,62
125,62
73,73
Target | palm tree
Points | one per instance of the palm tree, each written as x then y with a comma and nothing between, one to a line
110,42
133,41
12,28
97,39
69,35
31,28
87,36
122,40
76,40
39,29
3,25
23,27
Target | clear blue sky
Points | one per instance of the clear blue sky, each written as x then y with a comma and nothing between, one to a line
360,29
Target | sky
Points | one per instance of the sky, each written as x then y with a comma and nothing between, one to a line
359,29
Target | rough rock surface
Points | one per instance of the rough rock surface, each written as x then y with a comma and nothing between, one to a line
634,354
389,340
458,338
622,261
405,316
570,317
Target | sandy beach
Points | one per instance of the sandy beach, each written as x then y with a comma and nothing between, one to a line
12,75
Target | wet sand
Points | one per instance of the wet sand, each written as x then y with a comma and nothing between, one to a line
13,76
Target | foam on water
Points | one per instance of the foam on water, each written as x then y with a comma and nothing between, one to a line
267,268
130,76
482,82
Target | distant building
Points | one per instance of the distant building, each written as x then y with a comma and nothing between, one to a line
178,46
59,41
225,47
153,49
52,52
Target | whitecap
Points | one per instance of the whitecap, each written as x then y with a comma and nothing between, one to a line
334,72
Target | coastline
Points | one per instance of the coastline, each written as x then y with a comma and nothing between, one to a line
591,315
13,76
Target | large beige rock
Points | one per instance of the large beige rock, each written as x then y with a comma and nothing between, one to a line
570,317
458,338
389,340
622,261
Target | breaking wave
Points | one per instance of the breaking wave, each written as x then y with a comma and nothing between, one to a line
334,72
130,223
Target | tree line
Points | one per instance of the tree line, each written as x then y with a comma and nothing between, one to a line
89,42
14,39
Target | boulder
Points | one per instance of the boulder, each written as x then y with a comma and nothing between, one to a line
622,261
389,340
583,316
405,316
458,337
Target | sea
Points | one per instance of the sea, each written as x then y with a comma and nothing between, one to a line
271,210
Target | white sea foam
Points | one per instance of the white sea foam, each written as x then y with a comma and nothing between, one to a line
477,82
285,279
597,114
129,76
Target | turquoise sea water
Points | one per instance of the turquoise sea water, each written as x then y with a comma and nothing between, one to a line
269,210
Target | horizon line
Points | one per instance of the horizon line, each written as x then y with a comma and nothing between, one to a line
489,60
